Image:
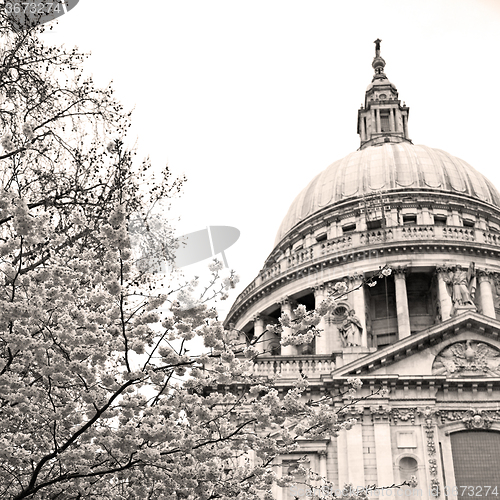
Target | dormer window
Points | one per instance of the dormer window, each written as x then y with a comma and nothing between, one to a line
440,220
409,219
374,224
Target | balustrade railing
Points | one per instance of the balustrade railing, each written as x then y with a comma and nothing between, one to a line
458,233
376,236
336,245
416,232
270,273
301,256
491,238
292,367
361,239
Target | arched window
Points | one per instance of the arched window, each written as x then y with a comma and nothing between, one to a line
476,455
408,467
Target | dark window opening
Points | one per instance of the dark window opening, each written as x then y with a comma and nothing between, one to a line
409,219
468,223
385,306
275,349
418,290
384,122
249,336
349,228
321,237
440,220
374,224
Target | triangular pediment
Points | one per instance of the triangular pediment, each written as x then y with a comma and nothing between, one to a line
466,346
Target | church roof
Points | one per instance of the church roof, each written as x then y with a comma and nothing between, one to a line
387,168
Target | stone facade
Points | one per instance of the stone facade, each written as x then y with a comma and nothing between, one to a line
428,332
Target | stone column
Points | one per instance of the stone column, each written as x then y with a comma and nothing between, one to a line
286,307
445,304
373,124
395,120
278,492
402,304
383,453
322,342
358,304
426,216
362,128
455,218
355,465
379,128
391,120
322,465
487,299
343,472
258,330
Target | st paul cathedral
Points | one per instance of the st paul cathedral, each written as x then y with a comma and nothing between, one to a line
428,332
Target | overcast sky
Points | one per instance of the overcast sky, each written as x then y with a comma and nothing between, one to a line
251,99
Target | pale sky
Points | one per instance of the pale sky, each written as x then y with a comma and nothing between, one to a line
252,99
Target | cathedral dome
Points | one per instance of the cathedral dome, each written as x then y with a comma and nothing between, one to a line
388,168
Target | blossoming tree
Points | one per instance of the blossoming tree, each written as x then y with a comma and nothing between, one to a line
99,396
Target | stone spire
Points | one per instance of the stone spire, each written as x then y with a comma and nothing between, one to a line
382,118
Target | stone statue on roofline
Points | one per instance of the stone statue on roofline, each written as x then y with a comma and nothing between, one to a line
461,285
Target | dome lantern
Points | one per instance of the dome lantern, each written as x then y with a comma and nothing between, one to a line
383,118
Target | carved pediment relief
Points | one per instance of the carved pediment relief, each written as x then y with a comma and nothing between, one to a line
468,359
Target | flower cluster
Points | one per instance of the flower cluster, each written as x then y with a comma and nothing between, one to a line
7,142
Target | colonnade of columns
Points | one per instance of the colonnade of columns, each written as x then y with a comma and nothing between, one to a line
376,126
445,282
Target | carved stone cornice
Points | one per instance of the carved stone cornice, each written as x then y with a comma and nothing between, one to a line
404,414
353,412
472,419
381,412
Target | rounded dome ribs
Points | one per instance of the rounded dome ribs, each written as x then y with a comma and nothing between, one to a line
388,168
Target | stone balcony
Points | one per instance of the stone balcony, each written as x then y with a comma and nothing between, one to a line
311,366
354,244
